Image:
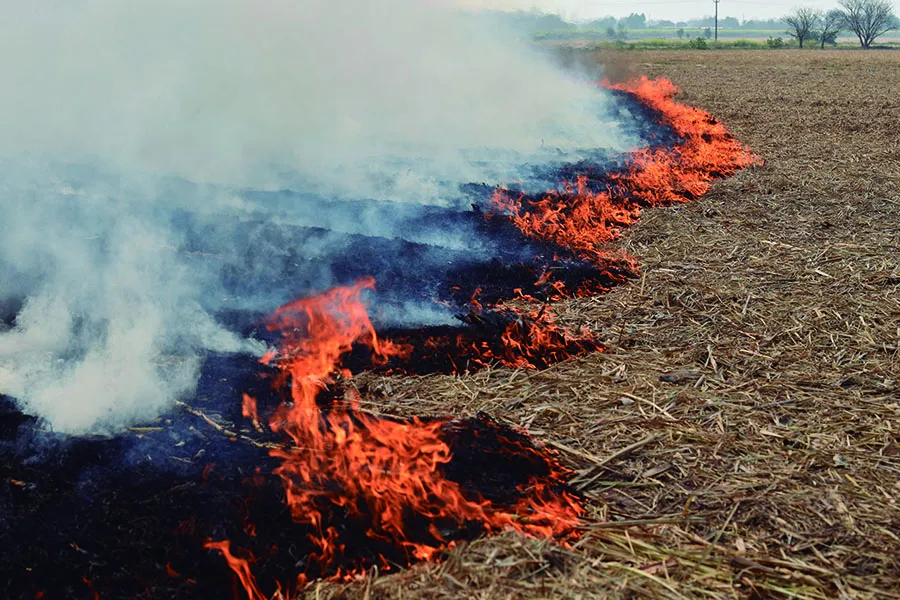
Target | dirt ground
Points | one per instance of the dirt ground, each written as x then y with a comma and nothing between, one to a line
741,436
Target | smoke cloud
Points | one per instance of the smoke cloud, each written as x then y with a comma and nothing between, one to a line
121,121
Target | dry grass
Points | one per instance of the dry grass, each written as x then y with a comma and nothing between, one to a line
756,362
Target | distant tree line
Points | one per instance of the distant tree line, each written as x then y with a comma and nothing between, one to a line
867,19
533,21
638,21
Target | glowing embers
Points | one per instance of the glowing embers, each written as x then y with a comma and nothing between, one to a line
380,491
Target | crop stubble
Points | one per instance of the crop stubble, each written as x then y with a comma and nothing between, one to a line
741,435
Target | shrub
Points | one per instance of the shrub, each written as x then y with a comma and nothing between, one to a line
698,44
742,43
775,42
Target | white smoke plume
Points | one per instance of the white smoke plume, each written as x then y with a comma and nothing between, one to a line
106,103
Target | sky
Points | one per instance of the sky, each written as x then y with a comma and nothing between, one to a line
674,10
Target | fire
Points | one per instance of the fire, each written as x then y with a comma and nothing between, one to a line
511,336
574,218
248,407
662,176
241,568
583,220
583,217
384,474
352,477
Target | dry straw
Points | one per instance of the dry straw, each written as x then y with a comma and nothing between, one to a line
741,436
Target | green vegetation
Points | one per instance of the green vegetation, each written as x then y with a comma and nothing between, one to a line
866,19
698,43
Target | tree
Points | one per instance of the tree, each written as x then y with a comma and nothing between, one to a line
868,19
634,21
830,25
601,24
767,24
801,23
729,23
550,23
680,33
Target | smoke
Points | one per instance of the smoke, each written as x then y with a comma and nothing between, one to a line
117,119
388,98
109,330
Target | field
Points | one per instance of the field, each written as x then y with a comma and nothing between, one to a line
726,36
741,436
662,33
776,41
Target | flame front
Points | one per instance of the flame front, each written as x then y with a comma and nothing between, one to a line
583,220
383,473
350,475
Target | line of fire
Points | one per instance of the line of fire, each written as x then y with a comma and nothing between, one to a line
275,475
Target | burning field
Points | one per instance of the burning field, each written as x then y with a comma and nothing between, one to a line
502,391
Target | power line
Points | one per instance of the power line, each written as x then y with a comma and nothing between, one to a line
717,18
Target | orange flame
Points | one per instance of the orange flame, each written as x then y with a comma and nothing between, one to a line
248,410
382,469
584,221
388,470
573,218
517,338
240,567
708,150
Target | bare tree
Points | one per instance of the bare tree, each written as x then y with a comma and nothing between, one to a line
802,22
830,25
868,19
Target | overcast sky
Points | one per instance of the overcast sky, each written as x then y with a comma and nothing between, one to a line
675,10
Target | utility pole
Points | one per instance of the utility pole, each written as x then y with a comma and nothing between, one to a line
717,18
